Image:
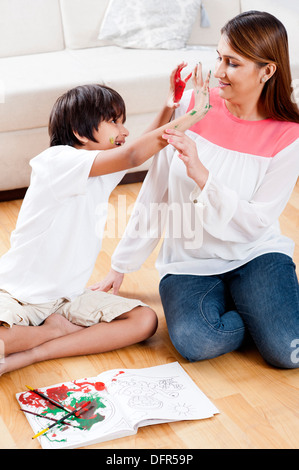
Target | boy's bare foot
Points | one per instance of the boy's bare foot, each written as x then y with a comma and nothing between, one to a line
17,361
21,338
60,325
57,326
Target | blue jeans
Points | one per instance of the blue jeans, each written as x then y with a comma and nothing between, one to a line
208,316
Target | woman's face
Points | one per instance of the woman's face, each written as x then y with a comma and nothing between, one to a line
239,78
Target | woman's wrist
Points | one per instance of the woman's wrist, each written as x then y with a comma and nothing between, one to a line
202,177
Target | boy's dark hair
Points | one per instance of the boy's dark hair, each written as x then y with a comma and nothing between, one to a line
81,110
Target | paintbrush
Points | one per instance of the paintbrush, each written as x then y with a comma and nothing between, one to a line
48,417
51,400
75,412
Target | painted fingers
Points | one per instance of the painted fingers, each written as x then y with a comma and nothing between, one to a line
201,90
179,83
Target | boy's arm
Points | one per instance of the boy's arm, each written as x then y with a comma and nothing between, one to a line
137,152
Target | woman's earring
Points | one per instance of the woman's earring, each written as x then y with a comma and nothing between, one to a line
263,80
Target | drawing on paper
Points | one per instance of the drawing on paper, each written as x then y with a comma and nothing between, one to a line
121,402
146,393
72,394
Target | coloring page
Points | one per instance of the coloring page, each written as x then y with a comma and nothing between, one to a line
115,404
159,393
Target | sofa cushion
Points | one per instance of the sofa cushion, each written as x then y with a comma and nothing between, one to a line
149,25
82,21
218,12
33,83
29,27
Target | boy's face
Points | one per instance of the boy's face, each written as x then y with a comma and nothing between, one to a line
109,135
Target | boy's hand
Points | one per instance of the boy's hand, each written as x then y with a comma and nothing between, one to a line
201,89
113,281
177,86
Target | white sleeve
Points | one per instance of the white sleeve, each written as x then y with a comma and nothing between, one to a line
68,170
227,217
147,221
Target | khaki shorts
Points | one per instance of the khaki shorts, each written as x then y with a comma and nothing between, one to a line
87,309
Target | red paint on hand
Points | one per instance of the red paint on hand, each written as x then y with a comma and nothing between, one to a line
179,84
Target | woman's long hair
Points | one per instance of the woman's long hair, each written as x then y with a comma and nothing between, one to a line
262,38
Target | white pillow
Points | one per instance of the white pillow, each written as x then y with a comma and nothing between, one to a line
149,24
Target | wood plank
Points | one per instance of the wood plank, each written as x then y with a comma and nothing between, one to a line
259,405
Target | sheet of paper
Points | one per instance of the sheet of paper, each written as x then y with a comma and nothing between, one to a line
103,419
163,392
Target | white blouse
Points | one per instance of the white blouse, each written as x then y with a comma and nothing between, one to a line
253,168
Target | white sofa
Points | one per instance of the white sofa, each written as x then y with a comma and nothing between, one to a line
50,46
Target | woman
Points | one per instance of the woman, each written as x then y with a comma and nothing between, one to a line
231,175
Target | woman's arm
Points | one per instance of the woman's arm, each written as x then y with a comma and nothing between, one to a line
225,215
135,153
140,239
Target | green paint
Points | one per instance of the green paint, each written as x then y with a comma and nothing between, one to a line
96,402
193,112
111,140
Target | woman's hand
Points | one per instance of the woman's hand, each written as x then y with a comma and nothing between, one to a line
113,281
177,86
201,89
188,154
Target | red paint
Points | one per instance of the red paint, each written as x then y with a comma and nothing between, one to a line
83,408
28,398
99,386
179,84
58,393
120,372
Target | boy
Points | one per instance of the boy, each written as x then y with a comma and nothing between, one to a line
55,245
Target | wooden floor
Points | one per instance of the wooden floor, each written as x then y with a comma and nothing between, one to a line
259,405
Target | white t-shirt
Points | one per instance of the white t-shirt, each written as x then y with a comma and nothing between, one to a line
253,167
60,226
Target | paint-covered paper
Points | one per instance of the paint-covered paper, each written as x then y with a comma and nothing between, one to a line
122,400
